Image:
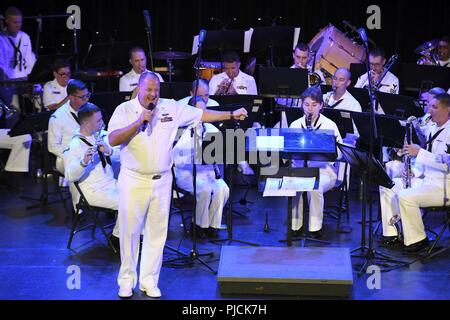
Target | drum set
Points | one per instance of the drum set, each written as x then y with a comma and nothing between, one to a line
332,49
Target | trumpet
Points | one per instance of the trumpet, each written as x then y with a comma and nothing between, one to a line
407,171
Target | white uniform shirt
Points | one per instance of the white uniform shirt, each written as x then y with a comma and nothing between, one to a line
150,152
130,80
322,123
348,102
389,84
7,58
94,176
444,63
433,168
243,83
211,102
61,128
53,93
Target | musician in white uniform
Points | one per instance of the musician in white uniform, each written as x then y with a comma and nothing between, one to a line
232,80
88,161
377,60
145,128
16,55
55,91
212,191
427,189
444,52
312,105
138,60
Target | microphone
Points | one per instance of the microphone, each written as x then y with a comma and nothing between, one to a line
147,19
151,106
363,35
201,37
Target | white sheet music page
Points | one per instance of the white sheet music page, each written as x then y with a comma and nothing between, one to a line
298,183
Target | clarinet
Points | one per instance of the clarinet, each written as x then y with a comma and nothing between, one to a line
216,169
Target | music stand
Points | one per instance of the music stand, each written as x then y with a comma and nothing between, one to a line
108,101
399,105
342,118
366,164
415,76
282,82
218,41
266,39
298,144
174,90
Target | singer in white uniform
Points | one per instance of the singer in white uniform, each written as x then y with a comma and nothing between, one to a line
427,189
212,191
138,60
88,160
232,80
312,105
145,180
377,60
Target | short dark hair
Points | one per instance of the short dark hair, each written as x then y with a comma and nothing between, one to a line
230,57
443,98
133,50
377,52
86,111
60,63
314,93
75,85
12,11
302,47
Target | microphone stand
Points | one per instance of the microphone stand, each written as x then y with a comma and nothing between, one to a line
148,30
368,252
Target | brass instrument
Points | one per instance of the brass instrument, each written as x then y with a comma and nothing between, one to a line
407,171
386,69
428,54
314,79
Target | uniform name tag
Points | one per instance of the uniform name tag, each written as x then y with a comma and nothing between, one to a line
166,119
56,92
242,87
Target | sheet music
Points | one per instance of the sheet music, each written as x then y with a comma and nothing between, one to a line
298,183
195,45
273,189
248,39
296,36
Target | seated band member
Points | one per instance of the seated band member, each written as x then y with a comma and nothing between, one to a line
312,105
55,91
138,60
87,160
212,191
232,80
444,52
394,168
427,190
340,98
377,60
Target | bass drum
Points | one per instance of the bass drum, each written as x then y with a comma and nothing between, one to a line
335,50
209,68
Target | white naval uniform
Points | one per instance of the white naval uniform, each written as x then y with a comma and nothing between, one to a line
242,84
444,63
212,193
328,176
145,186
348,103
210,103
53,93
389,84
97,183
19,157
23,42
425,192
130,80
61,128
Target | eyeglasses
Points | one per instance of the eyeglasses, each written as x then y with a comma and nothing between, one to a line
84,97
64,74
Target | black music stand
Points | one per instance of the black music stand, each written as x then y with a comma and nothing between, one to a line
108,101
266,39
282,82
342,118
174,90
366,164
399,105
414,76
298,144
218,41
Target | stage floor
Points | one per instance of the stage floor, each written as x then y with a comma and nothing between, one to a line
35,263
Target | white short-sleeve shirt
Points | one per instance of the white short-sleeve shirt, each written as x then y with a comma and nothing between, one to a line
243,83
53,93
130,80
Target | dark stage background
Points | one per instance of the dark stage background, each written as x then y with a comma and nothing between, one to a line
404,24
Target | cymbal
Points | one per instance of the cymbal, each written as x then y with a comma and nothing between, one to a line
171,55
427,46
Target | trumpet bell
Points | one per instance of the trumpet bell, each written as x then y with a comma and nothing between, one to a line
314,79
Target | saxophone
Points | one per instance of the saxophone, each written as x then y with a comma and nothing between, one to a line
407,171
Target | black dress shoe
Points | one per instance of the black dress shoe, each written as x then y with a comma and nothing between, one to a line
199,232
212,233
297,233
316,234
417,247
389,242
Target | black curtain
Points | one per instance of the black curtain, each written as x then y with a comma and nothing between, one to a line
404,24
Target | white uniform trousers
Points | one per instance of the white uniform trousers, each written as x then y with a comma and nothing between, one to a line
407,203
212,194
104,197
316,203
143,203
19,157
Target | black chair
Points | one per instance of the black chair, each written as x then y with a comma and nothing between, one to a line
445,226
84,209
180,194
